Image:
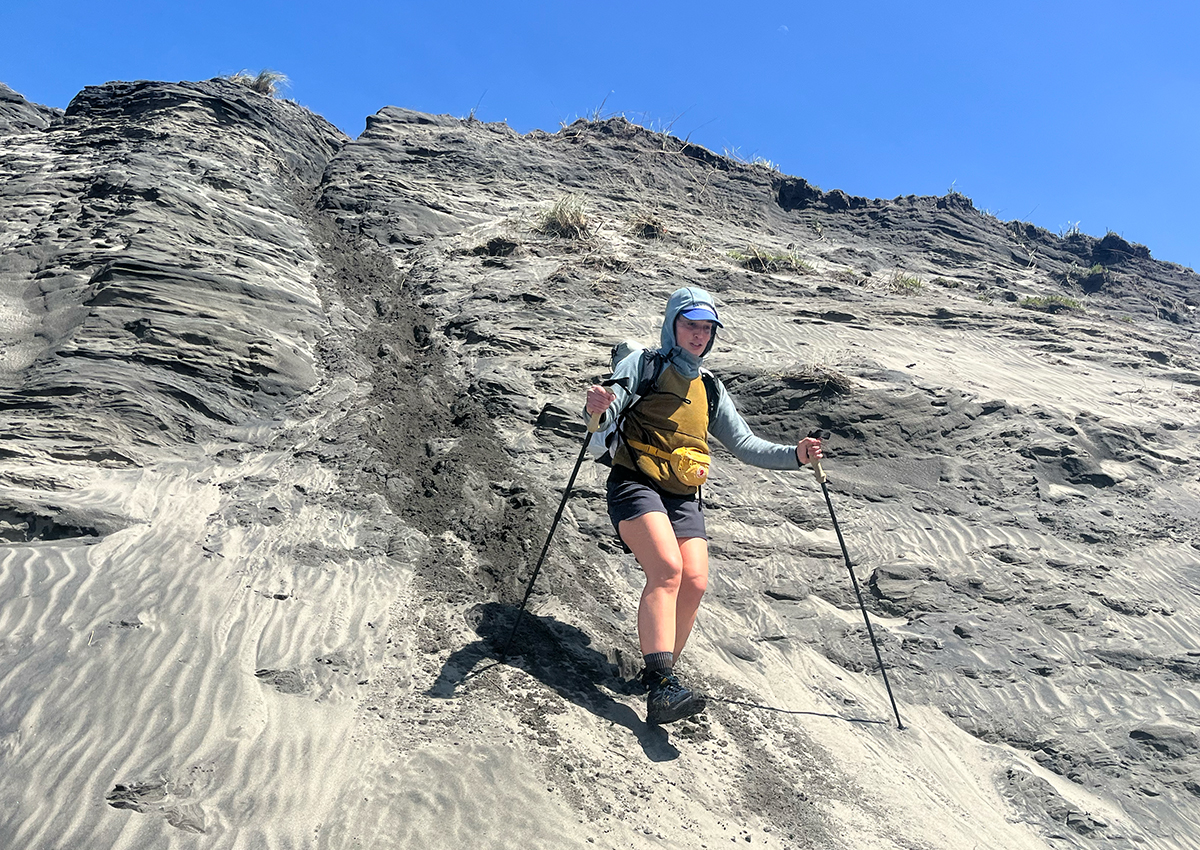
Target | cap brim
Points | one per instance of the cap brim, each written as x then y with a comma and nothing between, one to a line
701,314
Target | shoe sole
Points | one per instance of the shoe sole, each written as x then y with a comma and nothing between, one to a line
679,712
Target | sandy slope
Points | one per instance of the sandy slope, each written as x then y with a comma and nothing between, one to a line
288,417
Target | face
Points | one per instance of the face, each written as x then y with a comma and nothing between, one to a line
693,335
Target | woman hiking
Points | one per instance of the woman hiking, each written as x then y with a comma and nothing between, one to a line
660,462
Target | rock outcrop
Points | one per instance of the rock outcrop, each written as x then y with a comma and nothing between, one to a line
287,416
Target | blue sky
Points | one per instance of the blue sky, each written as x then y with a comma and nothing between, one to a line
1063,113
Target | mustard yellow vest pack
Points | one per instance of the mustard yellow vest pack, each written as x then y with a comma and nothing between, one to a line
666,435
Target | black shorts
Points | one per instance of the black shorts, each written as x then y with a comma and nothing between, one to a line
631,495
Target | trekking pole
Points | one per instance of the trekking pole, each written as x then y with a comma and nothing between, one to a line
820,474
593,426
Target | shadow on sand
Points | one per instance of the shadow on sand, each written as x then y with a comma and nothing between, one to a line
761,707
559,656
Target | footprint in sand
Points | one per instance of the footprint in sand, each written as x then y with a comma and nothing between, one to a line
284,681
157,798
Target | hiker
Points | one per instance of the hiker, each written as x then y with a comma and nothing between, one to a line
658,466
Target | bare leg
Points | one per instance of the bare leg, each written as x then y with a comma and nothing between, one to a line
652,541
693,583
676,575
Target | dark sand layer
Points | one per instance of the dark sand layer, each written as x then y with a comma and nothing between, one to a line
287,417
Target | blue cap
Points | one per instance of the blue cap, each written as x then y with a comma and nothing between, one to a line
701,313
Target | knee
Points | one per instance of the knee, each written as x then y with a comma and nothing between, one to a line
693,582
664,572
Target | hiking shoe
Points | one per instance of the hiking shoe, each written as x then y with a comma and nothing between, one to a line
668,700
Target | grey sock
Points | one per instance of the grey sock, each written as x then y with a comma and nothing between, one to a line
658,661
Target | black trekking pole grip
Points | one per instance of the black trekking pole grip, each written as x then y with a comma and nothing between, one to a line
593,427
821,478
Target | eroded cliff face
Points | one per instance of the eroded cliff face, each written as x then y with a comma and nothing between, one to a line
19,115
288,415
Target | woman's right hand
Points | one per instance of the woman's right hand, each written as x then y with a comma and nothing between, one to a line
599,399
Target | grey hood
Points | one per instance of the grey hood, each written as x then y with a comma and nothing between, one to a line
685,362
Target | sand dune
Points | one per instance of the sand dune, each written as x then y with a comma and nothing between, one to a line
288,416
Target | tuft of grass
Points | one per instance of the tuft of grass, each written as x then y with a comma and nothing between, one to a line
1051,303
755,161
266,81
598,114
759,260
818,380
905,284
567,219
646,225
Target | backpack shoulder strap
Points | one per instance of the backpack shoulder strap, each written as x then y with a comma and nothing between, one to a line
652,366
712,390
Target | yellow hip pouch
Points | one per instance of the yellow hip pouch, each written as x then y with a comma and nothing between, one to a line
689,463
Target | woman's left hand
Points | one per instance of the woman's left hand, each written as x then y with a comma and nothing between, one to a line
808,450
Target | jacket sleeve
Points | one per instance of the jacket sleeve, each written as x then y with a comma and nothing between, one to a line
731,429
628,373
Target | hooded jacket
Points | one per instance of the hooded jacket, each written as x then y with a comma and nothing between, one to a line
727,425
